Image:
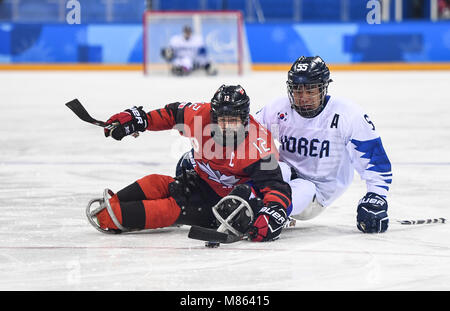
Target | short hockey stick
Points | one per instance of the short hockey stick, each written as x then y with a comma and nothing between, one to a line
214,237
81,112
421,221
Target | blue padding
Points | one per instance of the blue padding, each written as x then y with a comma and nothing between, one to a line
395,46
5,39
277,43
338,43
89,54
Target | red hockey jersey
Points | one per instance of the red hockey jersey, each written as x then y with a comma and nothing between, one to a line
253,160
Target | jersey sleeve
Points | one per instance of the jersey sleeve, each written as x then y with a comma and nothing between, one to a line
166,118
267,179
368,155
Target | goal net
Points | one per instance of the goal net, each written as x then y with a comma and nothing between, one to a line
221,31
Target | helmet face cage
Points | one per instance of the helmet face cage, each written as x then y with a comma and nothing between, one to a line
307,99
242,115
307,85
231,134
230,105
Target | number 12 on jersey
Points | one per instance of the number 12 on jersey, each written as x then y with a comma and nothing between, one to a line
262,145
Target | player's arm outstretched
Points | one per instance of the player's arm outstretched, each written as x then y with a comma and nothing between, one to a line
373,165
135,120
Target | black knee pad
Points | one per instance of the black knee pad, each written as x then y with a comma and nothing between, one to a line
133,215
131,193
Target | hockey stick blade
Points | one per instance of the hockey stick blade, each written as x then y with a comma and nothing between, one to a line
211,235
422,221
82,113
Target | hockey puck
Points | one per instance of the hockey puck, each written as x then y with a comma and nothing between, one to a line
211,244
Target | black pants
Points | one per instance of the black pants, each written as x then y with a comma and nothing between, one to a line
195,198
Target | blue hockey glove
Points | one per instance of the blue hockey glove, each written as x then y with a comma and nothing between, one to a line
372,214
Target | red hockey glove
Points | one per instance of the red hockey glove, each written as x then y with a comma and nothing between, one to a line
268,224
128,122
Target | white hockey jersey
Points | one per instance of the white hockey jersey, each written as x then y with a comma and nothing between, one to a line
328,148
191,50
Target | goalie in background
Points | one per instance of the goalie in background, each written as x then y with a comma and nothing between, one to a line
186,53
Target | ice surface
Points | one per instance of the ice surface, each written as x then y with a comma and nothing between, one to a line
52,164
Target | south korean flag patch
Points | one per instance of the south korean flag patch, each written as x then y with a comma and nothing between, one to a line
282,116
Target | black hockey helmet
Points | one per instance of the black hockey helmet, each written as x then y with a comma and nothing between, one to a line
230,100
307,73
187,31
187,28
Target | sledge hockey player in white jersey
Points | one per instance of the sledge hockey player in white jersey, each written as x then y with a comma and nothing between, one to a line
187,52
323,140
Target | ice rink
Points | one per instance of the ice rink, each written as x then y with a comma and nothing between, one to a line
52,164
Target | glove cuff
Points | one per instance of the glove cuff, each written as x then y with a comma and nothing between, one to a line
276,212
373,201
140,116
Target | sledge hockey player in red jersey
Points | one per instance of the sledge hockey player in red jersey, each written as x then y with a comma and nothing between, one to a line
231,150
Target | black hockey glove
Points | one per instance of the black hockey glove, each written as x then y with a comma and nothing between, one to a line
168,54
372,214
128,122
268,223
182,188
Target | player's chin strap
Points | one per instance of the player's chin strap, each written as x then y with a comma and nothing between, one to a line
227,223
104,203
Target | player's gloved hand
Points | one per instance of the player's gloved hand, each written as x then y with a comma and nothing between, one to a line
372,214
168,54
245,192
183,186
268,223
128,122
